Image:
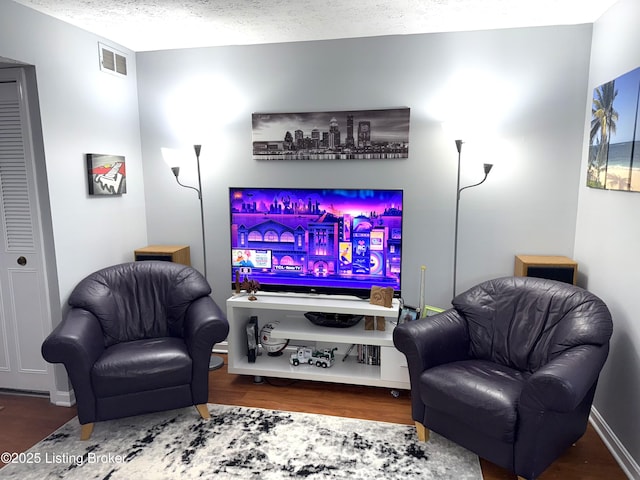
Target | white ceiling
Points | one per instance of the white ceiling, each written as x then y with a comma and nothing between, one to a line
143,25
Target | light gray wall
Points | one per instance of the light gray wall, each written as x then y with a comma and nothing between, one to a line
528,205
82,110
522,89
606,244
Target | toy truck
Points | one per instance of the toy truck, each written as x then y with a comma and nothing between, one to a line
324,358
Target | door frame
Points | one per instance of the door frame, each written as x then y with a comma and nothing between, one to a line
60,392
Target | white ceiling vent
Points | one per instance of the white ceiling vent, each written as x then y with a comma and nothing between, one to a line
111,60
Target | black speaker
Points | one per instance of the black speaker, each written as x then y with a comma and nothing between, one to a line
165,258
562,269
561,274
167,253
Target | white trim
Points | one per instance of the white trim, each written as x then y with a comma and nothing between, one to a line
222,347
63,399
39,199
617,449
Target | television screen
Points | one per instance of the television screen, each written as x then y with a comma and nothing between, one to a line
338,241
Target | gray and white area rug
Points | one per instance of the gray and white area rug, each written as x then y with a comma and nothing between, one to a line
243,443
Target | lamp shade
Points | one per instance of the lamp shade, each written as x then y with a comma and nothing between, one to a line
172,157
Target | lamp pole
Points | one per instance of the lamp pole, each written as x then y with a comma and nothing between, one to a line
197,149
215,362
176,173
487,169
455,241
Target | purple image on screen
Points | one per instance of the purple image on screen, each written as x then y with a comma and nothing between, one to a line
317,240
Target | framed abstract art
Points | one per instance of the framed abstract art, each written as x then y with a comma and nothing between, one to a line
106,174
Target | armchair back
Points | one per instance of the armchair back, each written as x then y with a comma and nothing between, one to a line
138,300
524,322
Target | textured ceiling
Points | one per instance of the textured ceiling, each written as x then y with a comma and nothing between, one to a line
142,25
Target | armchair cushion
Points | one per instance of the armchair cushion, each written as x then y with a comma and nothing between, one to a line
486,396
141,365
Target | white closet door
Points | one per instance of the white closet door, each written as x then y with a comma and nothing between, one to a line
23,302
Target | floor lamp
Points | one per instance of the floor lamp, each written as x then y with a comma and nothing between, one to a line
215,362
487,169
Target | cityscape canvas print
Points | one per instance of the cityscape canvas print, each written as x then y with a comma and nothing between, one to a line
614,142
106,174
333,135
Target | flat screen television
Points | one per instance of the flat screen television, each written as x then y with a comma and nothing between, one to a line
313,240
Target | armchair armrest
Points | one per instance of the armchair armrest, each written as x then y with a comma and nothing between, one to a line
428,342
432,341
77,342
204,326
562,384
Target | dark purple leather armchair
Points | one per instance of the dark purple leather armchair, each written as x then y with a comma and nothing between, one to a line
510,371
138,339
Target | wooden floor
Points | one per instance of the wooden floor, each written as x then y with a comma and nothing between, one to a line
26,420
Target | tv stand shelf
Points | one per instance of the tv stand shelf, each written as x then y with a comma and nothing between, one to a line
288,310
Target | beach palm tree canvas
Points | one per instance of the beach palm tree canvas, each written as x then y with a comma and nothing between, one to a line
614,142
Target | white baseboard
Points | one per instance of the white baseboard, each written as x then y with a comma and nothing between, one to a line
62,399
222,347
617,449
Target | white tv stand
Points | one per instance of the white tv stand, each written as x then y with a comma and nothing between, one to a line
288,310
